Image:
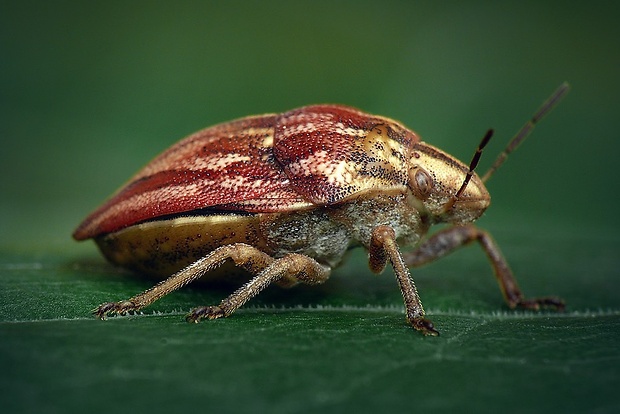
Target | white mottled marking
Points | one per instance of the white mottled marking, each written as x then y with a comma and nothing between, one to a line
268,141
215,162
322,125
310,165
233,183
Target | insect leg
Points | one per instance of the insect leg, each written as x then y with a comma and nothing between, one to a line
243,255
450,239
383,247
292,266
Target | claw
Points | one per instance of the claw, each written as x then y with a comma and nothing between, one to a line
204,312
102,310
424,325
551,302
114,308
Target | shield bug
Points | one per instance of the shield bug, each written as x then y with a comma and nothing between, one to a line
284,196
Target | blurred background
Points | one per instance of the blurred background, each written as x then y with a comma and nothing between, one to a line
91,91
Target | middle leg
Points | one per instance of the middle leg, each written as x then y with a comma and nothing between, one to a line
292,266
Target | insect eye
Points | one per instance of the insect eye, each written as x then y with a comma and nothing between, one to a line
421,183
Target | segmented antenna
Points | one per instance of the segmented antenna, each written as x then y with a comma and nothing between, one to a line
474,161
546,107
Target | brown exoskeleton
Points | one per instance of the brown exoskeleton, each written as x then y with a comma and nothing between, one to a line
284,196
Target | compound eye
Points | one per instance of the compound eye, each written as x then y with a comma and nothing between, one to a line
421,183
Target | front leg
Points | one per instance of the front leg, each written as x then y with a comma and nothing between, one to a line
383,247
450,239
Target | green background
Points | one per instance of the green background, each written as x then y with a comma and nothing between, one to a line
90,91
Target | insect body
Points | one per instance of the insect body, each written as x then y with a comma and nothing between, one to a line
284,196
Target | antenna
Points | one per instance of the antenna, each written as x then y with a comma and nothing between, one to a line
546,107
474,161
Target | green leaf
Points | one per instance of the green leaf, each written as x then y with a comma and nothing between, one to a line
343,346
